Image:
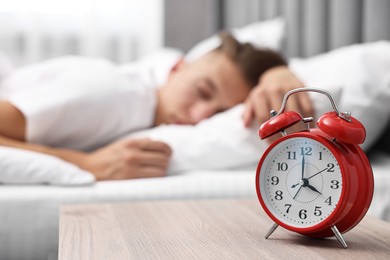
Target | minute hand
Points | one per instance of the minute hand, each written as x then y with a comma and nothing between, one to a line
317,173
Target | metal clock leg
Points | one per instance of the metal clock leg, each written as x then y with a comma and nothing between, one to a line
272,229
339,236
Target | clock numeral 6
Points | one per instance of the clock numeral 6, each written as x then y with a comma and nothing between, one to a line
302,214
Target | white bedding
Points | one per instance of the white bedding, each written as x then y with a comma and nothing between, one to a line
29,215
357,76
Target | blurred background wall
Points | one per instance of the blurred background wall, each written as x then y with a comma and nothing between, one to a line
123,30
313,26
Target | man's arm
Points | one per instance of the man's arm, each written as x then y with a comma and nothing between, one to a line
269,93
124,159
71,156
12,134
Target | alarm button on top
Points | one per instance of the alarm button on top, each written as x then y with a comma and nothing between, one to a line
352,132
279,123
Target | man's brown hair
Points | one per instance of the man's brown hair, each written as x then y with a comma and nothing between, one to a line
251,61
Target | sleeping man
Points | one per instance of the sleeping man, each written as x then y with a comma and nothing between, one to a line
78,109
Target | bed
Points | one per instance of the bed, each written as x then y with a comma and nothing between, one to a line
29,212
30,216
37,185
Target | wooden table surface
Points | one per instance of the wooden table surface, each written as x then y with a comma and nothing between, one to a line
202,229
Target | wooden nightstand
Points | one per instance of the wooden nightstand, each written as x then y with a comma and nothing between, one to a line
202,229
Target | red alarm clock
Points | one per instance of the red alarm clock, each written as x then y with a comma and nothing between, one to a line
317,182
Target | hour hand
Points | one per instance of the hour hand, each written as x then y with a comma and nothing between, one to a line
313,189
293,186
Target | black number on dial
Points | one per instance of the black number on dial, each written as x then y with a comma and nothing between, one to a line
291,155
288,207
335,184
278,195
282,166
274,180
329,200
317,211
302,214
330,167
306,150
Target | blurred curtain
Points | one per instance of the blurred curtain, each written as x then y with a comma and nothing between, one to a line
119,30
313,26
187,22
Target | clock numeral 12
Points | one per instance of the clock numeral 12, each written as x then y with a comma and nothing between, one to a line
306,150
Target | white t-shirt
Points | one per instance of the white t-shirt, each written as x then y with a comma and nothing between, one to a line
81,103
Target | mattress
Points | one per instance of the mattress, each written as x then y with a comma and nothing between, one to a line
29,215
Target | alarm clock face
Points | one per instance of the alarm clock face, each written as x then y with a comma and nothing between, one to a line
300,182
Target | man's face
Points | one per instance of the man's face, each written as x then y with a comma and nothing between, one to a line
199,89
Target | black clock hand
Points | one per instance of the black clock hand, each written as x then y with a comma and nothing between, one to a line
297,192
317,173
295,185
303,171
313,189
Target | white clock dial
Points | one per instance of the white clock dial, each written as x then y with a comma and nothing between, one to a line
300,182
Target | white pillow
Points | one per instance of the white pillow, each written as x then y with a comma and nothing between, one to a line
25,167
220,142
269,34
362,74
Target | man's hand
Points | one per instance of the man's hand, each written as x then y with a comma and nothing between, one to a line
269,93
128,159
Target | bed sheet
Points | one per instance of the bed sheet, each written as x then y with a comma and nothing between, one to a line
29,216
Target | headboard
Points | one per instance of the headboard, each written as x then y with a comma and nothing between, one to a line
313,26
